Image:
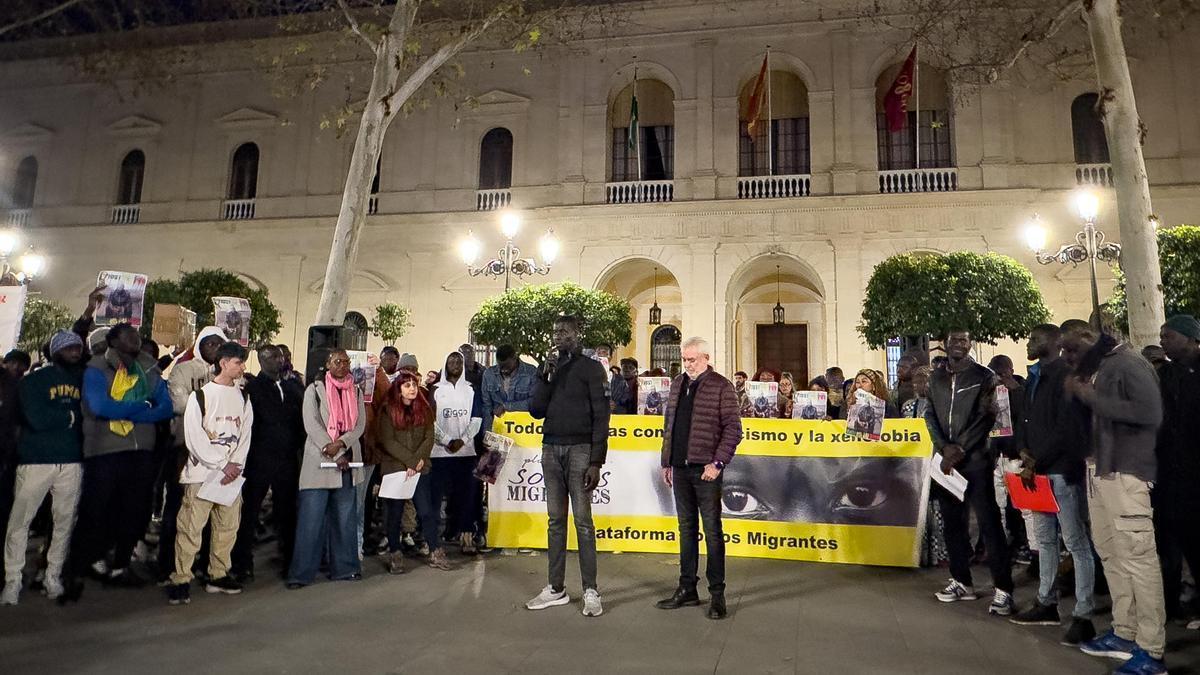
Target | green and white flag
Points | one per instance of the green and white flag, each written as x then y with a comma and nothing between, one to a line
633,123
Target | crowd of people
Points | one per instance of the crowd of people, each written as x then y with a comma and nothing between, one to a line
109,448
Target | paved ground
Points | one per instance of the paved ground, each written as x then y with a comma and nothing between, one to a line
785,617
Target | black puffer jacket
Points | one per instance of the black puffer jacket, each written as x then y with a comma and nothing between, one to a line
962,410
574,404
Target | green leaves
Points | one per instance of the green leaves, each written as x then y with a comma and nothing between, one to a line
524,317
195,291
43,318
992,295
1179,259
391,322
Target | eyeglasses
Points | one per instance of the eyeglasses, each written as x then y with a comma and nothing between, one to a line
340,362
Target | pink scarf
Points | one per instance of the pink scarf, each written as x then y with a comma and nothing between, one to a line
342,397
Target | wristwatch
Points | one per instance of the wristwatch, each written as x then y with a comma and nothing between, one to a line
720,465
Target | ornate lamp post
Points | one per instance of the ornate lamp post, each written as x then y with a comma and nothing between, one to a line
28,266
1090,245
509,262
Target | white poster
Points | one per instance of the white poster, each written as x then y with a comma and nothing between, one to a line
762,400
12,310
124,293
232,315
652,395
810,405
363,373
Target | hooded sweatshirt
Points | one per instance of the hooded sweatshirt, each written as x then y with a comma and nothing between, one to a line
188,374
52,418
457,406
100,408
218,437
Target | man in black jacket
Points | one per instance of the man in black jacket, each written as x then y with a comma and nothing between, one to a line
574,404
276,441
1048,447
960,416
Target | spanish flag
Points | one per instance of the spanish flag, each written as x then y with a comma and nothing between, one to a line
756,100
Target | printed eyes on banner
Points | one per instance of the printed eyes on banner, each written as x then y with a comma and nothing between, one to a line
738,502
859,499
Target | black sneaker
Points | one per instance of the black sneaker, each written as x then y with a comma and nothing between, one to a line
242,577
1038,615
1081,631
225,585
179,594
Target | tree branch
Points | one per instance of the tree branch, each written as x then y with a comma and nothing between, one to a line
63,6
357,29
1055,25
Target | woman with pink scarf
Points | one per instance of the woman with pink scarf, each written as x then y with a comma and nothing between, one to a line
327,509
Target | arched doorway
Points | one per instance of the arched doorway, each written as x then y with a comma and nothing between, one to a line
664,349
645,283
796,345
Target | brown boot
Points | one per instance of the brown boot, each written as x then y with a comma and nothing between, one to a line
438,561
395,563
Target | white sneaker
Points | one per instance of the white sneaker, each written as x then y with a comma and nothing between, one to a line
100,567
54,587
954,592
12,591
591,603
548,598
1002,604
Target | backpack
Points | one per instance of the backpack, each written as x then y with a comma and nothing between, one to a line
182,456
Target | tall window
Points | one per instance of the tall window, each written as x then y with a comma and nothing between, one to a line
1087,130
243,176
664,349
495,160
788,140
655,141
354,331
133,169
928,126
25,184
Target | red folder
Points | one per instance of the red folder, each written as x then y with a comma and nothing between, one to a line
1040,498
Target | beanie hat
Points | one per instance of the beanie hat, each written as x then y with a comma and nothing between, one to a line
407,361
1184,324
96,338
63,339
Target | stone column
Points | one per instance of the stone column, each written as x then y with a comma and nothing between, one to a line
704,184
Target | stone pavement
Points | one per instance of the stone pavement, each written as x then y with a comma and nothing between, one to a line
786,617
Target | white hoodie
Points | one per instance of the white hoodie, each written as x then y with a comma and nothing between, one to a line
187,376
454,404
221,436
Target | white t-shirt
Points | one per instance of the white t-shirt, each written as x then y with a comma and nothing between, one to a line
221,437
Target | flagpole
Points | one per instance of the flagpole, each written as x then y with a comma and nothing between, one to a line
770,145
917,87
637,134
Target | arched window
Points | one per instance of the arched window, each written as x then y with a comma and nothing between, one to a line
495,160
133,169
243,174
931,108
787,138
25,184
354,331
654,144
1087,130
664,349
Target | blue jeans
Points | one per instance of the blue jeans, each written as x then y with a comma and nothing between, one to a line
317,508
563,467
1072,519
429,515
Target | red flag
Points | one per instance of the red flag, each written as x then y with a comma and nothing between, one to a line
895,103
756,100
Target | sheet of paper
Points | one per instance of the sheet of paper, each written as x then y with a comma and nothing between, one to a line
398,485
333,465
225,495
956,483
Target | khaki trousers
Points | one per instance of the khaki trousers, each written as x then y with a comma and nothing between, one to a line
194,513
1123,532
33,482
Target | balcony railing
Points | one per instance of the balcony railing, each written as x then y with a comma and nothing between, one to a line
18,217
918,180
491,200
1097,175
237,209
126,214
641,192
373,205
771,187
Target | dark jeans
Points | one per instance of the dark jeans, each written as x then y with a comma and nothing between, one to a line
428,515
563,468
8,477
114,507
980,498
282,477
695,495
453,478
326,515
1177,534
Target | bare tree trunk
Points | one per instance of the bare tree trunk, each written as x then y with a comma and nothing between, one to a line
1124,131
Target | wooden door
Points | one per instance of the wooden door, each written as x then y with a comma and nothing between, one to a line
784,349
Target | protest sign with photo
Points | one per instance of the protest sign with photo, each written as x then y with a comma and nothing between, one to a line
123,295
810,405
1004,423
866,415
363,373
232,315
796,490
762,400
652,395
12,311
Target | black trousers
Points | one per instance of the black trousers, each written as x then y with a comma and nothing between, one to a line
281,476
1177,534
980,498
694,495
114,507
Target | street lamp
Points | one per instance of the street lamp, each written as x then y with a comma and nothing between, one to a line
1089,246
509,262
29,265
